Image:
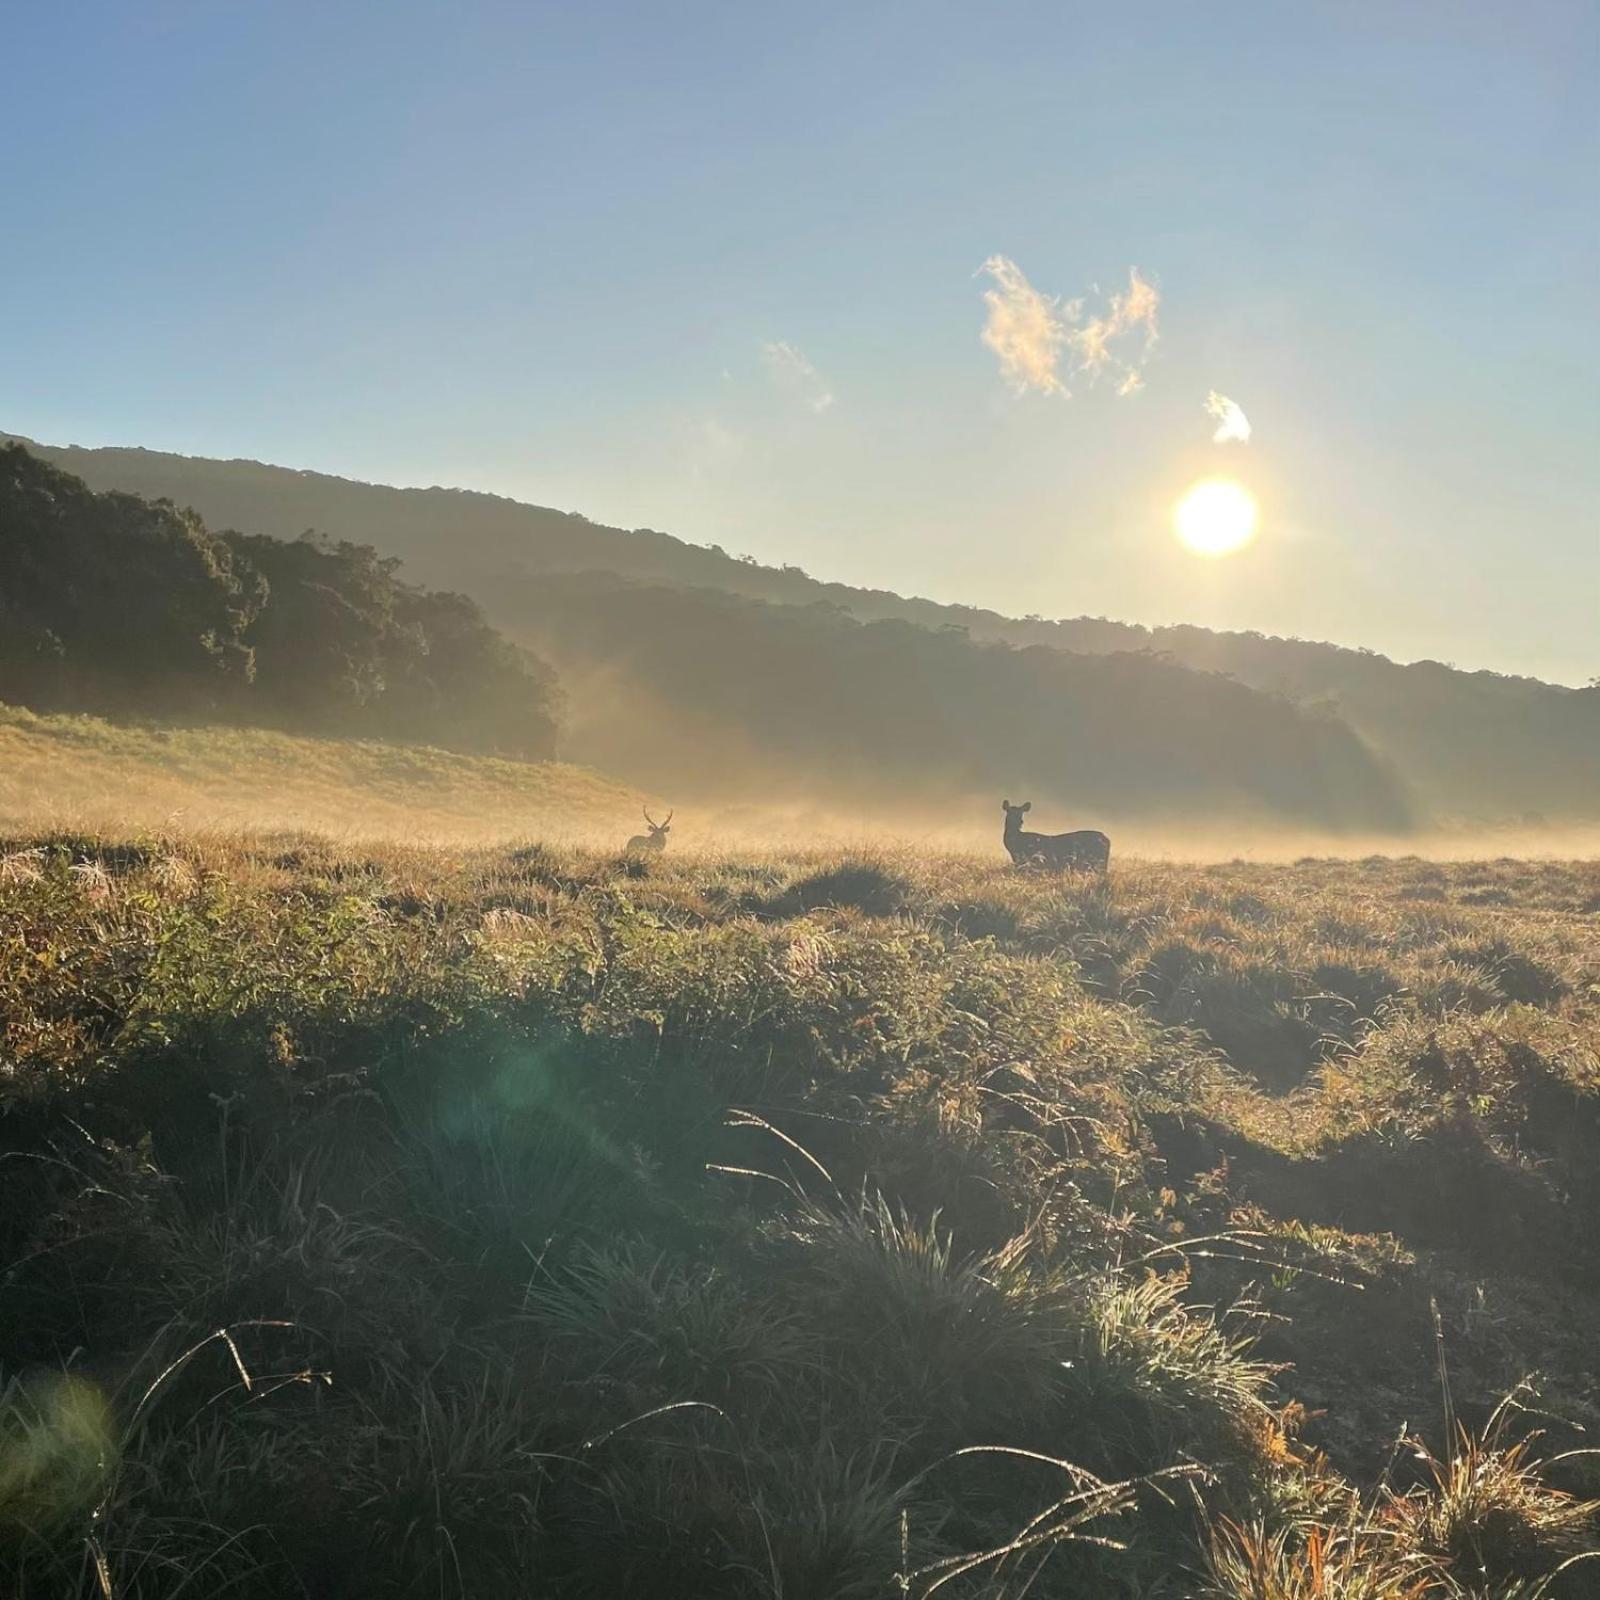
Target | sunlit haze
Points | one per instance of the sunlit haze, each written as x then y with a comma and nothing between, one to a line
957,304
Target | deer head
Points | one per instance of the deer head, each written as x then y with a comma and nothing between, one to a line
659,830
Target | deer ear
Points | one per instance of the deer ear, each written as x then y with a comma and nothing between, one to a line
1005,805
1027,805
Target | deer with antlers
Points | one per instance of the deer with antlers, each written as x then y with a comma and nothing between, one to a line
1087,848
655,840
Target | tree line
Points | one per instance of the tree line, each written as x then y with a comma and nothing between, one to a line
114,604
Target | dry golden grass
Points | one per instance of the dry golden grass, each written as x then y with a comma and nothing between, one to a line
85,773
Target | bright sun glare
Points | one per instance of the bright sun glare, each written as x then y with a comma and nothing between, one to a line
1216,517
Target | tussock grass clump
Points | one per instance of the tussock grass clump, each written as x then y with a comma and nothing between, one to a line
669,1329
954,1343
1314,1563
861,884
1487,1511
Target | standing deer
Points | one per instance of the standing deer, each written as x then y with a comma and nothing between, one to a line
1087,848
655,840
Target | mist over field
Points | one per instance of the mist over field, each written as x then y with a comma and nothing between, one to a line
82,773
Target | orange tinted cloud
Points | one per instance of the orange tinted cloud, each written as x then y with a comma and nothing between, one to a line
1042,341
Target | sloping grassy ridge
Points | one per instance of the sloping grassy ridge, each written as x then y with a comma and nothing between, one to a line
83,771
531,1222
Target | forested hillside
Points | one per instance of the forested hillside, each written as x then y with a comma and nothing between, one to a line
672,686
1474,746
116,604
712,696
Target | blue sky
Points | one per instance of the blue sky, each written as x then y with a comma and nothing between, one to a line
715,269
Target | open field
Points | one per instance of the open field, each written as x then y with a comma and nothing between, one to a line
86,772
391,1220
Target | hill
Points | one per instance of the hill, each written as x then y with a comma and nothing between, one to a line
701,692
714,695
403,1222
1469,746
85,772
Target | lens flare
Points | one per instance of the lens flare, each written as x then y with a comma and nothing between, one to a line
1216,517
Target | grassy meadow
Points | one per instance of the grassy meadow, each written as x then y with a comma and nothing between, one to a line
85,772
523,1220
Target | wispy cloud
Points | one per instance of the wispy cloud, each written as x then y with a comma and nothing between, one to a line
791,370
1118,342
1233,426
708,448
1024,329
1038,337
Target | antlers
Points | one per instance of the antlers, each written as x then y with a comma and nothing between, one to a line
657,827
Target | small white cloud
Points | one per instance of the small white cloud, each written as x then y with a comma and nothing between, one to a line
1024,329
1037,336
1233,426
791,370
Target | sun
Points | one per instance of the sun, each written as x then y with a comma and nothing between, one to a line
1216,517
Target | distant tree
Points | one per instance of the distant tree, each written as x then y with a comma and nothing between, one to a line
344,645
318,644
31,658
116,603
467,683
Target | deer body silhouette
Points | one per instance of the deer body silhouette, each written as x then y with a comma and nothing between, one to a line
1088,848
655,840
